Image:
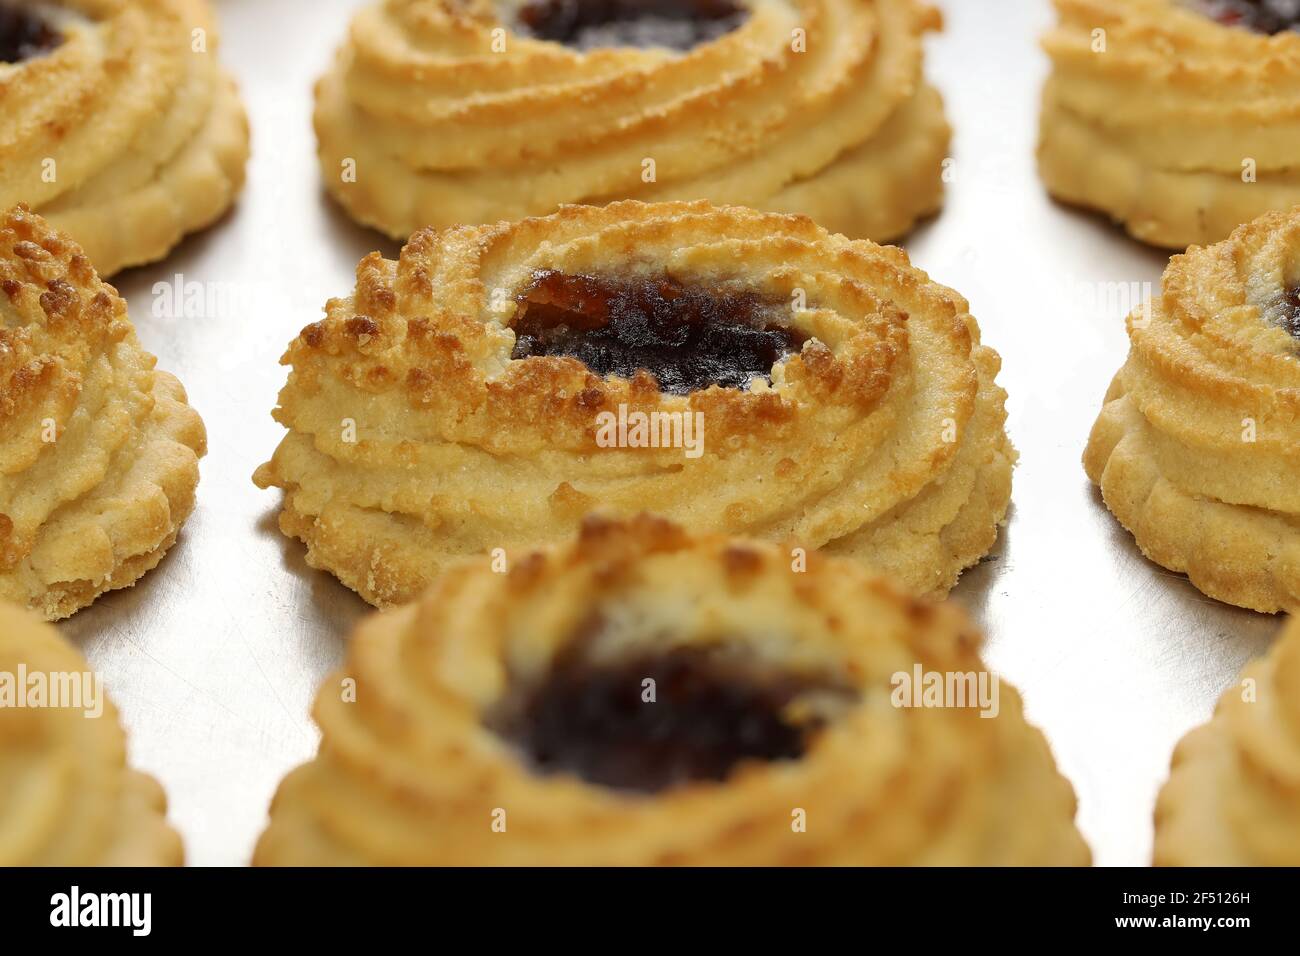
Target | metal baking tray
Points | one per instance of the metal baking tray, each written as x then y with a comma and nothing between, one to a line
215,656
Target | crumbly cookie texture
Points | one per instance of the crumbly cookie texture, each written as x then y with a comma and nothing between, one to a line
1175,124
69,798
474,706
415,437
440,112
1198,444
128,134
1233,795
98,451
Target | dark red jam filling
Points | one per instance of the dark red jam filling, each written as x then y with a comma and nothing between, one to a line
1262,16
1291,311
709,714
591,24
686,337
24,34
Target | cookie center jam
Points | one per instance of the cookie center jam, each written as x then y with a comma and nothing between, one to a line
25,34
688,338
1262,16
592,24
708,714
1291,311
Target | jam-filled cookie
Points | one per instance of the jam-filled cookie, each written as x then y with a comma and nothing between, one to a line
646,697
734,370
67,796
439,112
1198,445
120,127
1174,116
1233,795
98,450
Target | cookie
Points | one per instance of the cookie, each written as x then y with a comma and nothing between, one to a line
1172,116
69,798
120,126
1233,795
1198,444
441,112
98,450
644,696
735,371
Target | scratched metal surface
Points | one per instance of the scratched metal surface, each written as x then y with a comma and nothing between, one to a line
214,658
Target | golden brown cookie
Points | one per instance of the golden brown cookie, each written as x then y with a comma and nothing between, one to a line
439,112
1173,116
733,370
120,127
645,697
68,797
1233,795
98,451
1198,445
